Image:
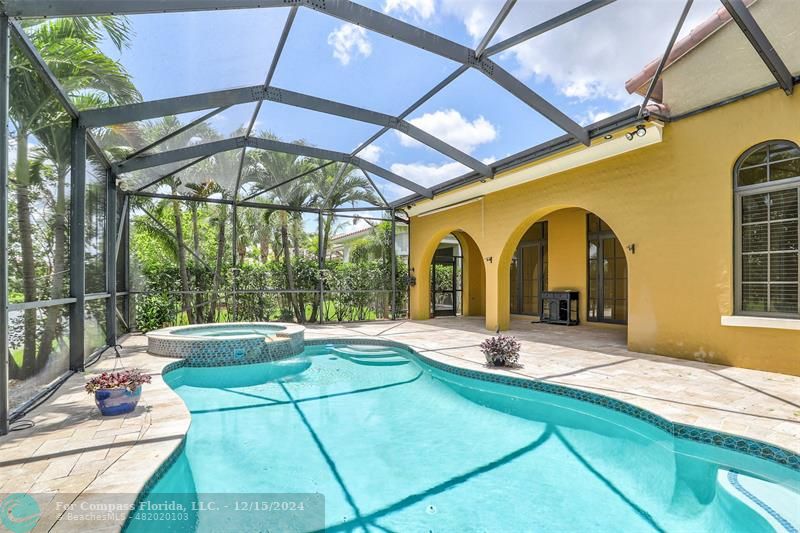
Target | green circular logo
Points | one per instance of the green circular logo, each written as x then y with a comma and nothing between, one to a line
19,513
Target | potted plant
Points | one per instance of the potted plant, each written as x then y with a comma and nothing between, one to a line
117,393
501,350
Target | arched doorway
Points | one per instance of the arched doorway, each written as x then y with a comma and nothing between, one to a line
570,250
457,277
446,276
528,273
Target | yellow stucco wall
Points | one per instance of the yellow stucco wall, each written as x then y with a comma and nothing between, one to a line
474,277
566,253
674,201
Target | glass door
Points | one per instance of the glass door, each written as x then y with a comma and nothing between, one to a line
531,282
445,286
608,275
529,272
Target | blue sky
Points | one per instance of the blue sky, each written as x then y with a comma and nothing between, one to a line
580,67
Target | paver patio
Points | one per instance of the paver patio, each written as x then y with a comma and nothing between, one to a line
74,453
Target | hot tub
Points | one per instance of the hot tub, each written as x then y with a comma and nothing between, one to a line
227,343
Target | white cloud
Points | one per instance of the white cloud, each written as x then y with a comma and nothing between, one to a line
615,42
371,153
420,8
477,15
349,40
592,116
451,127
429,174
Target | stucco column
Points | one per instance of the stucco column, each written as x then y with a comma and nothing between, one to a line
419,305
497,294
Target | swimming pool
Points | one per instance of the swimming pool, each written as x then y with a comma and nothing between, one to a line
395,444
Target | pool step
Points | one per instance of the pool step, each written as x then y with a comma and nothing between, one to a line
776,504
371,357
359,352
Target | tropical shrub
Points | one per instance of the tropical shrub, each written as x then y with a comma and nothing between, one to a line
154,311
127,379
501,350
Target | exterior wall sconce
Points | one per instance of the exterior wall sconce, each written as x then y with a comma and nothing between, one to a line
631,248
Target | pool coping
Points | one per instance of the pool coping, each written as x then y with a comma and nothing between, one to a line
288,329
752,447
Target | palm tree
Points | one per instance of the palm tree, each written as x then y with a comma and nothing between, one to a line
70,47
259,225
332,191
266,169
191,179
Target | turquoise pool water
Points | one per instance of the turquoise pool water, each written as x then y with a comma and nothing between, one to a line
229,330
395,445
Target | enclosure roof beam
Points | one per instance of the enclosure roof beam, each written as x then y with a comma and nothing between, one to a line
225,201
496,23
330,155
288,180
30,51
80,8
121,229
276,57
329,107
273,145
547,25
98,152
744,19
211,148
184,104
414,36
408,33
176,132
391,176
536,153
180,154
662,63
106,116
413,107
377,190
174,172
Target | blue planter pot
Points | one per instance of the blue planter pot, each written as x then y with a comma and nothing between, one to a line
113,402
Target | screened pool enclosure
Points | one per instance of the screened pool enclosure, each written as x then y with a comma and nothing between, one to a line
140,190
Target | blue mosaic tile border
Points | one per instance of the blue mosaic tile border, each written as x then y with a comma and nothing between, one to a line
220,351
160,471
733,479
679,430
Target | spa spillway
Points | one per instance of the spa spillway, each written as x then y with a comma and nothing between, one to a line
224,344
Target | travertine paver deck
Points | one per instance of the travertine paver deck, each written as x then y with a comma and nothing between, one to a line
73,451
75,455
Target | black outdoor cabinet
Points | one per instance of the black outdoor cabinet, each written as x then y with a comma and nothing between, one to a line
560,307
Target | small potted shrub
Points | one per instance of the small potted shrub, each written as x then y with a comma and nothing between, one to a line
117,393
501,350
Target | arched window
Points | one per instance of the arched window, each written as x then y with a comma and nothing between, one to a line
767,193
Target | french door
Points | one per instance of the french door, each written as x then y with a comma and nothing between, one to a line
446,286
529,272
608,274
